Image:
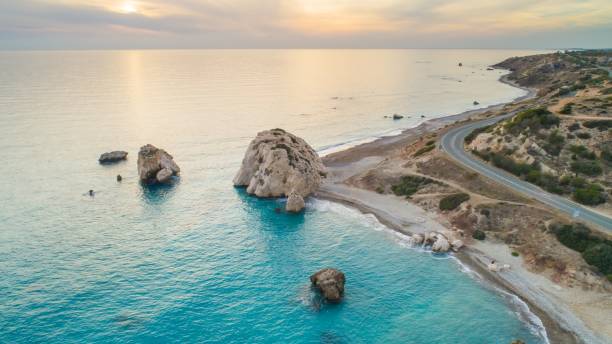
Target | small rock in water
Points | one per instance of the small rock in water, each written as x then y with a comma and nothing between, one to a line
330,282
119,178
91,193
110,157
476,103
460,64
396,116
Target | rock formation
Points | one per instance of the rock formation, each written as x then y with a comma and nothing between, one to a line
330,282
156,165
441,244
110,157
280,164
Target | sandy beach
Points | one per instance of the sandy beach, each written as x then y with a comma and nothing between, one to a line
569,315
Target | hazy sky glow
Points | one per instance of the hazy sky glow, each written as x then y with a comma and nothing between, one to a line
91,24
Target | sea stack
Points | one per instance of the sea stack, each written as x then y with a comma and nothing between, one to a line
330,282
155,165
280,164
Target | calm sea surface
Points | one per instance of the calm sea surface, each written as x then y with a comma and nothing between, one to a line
200,261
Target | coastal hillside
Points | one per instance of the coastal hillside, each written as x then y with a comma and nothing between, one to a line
561,142
558,138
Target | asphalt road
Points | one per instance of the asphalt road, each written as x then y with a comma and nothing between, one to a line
453,144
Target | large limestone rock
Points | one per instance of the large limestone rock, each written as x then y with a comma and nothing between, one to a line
156,165
280,164
330,282
441,244
111,157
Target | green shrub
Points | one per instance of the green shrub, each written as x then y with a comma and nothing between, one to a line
601,125
583,152
578,237
532,119
575,126
451,202
554,143
592,194
589,168
600,256
424,150
506,163
606,155
566,109
515,254
471,136
479,235
408,185
583,135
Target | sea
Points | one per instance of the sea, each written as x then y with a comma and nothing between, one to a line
197,260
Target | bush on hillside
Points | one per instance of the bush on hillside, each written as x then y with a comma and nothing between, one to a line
532,119
408,185
601,125
589,168
592,194
599,255
451,202
479,235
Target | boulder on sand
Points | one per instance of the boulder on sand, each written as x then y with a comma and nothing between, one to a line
114,156
280,164
441,244
155,165
330,282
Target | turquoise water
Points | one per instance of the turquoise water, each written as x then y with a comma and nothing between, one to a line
201,261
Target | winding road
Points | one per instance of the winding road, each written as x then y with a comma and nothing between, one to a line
453,144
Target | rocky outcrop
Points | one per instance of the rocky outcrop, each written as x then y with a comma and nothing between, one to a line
441,244
156,165
111,157
280,164
330,282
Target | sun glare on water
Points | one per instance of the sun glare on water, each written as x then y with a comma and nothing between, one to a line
129,7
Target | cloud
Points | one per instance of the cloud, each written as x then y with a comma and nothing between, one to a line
301,23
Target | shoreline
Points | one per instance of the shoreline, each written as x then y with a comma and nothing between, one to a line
559,323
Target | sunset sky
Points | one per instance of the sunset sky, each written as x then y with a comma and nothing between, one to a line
102,24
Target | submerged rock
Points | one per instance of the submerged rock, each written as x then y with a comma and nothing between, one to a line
330,282
156,165
277,164
110,157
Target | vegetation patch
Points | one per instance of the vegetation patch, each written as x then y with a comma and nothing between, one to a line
424,150
601,125
409,185
479,235
588,168
583,135
582,152
595,250
533,120
471,136
451,202
554,143
566,109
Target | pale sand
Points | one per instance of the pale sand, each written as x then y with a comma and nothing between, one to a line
569,315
